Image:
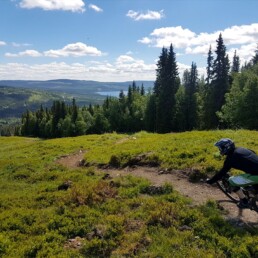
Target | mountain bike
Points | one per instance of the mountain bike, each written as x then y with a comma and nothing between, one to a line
249,185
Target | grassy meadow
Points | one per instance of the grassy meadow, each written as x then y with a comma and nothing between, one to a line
114,217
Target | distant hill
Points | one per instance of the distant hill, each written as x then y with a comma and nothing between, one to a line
18,95
74,86
14,101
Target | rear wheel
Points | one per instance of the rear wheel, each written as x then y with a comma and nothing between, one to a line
225,188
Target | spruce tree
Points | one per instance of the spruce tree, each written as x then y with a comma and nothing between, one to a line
219,85
191,80
255,57
150,114
142,90
235,64
166,86
209,66
160,72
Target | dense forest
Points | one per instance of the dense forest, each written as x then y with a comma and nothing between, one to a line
226,98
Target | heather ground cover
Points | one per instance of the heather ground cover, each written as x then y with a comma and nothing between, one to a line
116,217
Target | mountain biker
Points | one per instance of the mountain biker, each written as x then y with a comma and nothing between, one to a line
238,158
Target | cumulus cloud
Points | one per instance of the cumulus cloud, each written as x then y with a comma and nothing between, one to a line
149,15
243,38
95,8
76,50
145,40
182,37
202,50
245,52
135,67
49,5
122,69
2,43
71,50
124,59
30,53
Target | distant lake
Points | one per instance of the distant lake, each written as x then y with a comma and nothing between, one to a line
110,93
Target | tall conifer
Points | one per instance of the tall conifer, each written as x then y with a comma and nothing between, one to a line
166,86
218,86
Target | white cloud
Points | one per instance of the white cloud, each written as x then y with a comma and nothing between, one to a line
31,53
95,8
181,37
202,50
145,40
2,43
49,5
124,59
244,34
135,67
14,44
149,15
123,69
76,50
245,52
244,39
163,37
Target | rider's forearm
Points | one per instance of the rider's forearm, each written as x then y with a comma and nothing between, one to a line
218,176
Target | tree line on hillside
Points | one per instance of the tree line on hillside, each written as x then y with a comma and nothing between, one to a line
226,98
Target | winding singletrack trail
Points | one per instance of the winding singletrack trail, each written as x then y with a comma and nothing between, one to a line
200,193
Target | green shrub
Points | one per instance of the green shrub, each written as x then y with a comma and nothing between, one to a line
116,217
4,244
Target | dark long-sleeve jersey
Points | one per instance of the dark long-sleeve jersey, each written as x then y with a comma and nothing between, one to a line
241,159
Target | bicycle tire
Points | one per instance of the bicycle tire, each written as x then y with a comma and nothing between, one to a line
227,193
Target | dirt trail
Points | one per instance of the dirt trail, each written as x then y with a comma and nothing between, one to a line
198,192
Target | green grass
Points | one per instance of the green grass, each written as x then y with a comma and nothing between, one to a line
37,219
172,151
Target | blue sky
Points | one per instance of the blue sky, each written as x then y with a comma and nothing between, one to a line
118,40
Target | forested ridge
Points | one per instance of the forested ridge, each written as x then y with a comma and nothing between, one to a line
226,98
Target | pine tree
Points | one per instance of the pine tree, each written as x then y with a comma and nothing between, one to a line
209,66
90,109
255,57
201,96
134,87
121,96
150,114
56,116
165,88
74,111
180,109
130,95
235,64
142,90
218,87
191,80
160,72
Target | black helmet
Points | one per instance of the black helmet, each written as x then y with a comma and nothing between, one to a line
225,146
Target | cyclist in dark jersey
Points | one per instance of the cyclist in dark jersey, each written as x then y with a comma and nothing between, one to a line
238,158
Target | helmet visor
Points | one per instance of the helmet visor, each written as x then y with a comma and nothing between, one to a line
221,150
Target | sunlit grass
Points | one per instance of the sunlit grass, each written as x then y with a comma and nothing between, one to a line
37,219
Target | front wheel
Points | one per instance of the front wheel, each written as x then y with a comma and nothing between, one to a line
225,188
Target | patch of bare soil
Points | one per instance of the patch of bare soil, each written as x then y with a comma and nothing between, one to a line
72,160
200,193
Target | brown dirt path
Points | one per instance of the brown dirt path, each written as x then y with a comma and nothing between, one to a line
200,193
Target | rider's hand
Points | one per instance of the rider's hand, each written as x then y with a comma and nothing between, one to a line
208,181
